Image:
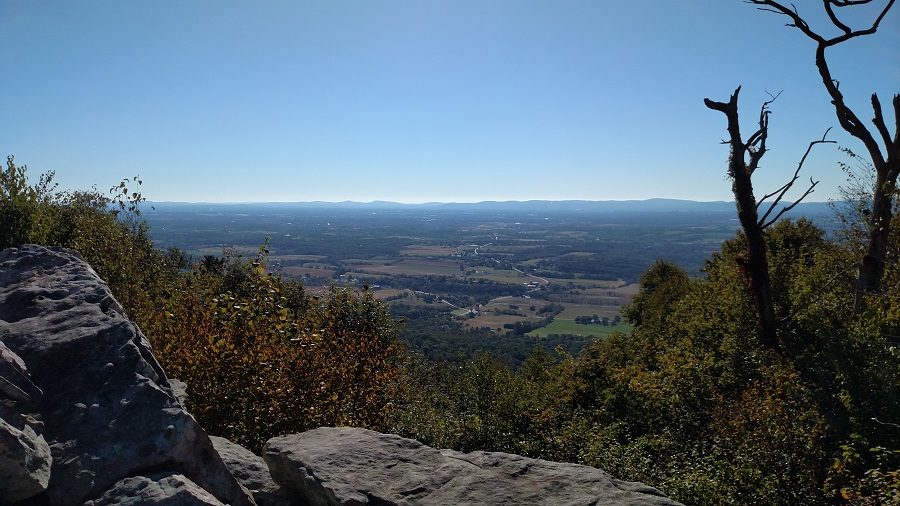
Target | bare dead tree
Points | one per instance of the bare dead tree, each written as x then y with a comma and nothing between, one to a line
743,161
887,162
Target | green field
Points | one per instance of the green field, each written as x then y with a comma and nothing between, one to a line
570,327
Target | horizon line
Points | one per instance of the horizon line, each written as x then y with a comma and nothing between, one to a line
510,201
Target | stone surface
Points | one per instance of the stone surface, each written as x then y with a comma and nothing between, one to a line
350,466
107,408
252,472
24,454
168,490
24,459
179,389
15,383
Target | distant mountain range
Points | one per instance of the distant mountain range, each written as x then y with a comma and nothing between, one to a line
649,205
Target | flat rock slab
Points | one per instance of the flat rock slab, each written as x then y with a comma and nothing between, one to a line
252,472
352,466
161,490
107,408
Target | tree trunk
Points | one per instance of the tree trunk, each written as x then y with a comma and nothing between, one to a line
755,267
871,269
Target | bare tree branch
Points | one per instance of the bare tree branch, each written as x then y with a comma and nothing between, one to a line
868,31
788,208
886,163
756,143
846,3
896,120
796,20
784,189
834,19
878,120
848,120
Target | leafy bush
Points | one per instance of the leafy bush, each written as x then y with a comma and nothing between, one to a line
262,358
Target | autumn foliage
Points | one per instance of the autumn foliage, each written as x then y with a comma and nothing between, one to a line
262,358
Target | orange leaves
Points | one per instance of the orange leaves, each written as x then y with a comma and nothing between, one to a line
256,368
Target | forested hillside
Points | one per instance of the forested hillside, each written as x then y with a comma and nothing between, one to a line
690,401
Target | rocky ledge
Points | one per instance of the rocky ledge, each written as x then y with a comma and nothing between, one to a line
87,416
348,466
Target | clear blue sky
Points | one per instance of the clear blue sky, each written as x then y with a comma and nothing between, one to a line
418,100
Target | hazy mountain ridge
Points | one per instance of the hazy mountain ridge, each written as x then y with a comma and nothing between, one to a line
648,205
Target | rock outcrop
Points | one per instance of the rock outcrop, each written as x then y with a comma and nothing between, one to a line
107,411
252,472
350,466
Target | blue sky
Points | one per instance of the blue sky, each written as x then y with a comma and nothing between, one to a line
418,100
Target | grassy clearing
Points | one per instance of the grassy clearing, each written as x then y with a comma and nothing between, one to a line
573,310
383,293
498,275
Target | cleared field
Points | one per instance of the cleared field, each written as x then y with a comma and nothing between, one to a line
414,299
383,293
560,326
589,283
299,271
523,303
412,267
297,258
573,310
503,310
494,321
498,275
427,251
604,292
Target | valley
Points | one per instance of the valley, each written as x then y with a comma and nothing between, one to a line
464,278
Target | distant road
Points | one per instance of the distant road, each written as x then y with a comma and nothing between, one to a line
545,281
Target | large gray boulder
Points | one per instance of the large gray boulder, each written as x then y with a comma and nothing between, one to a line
252,472
351,466
107,409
